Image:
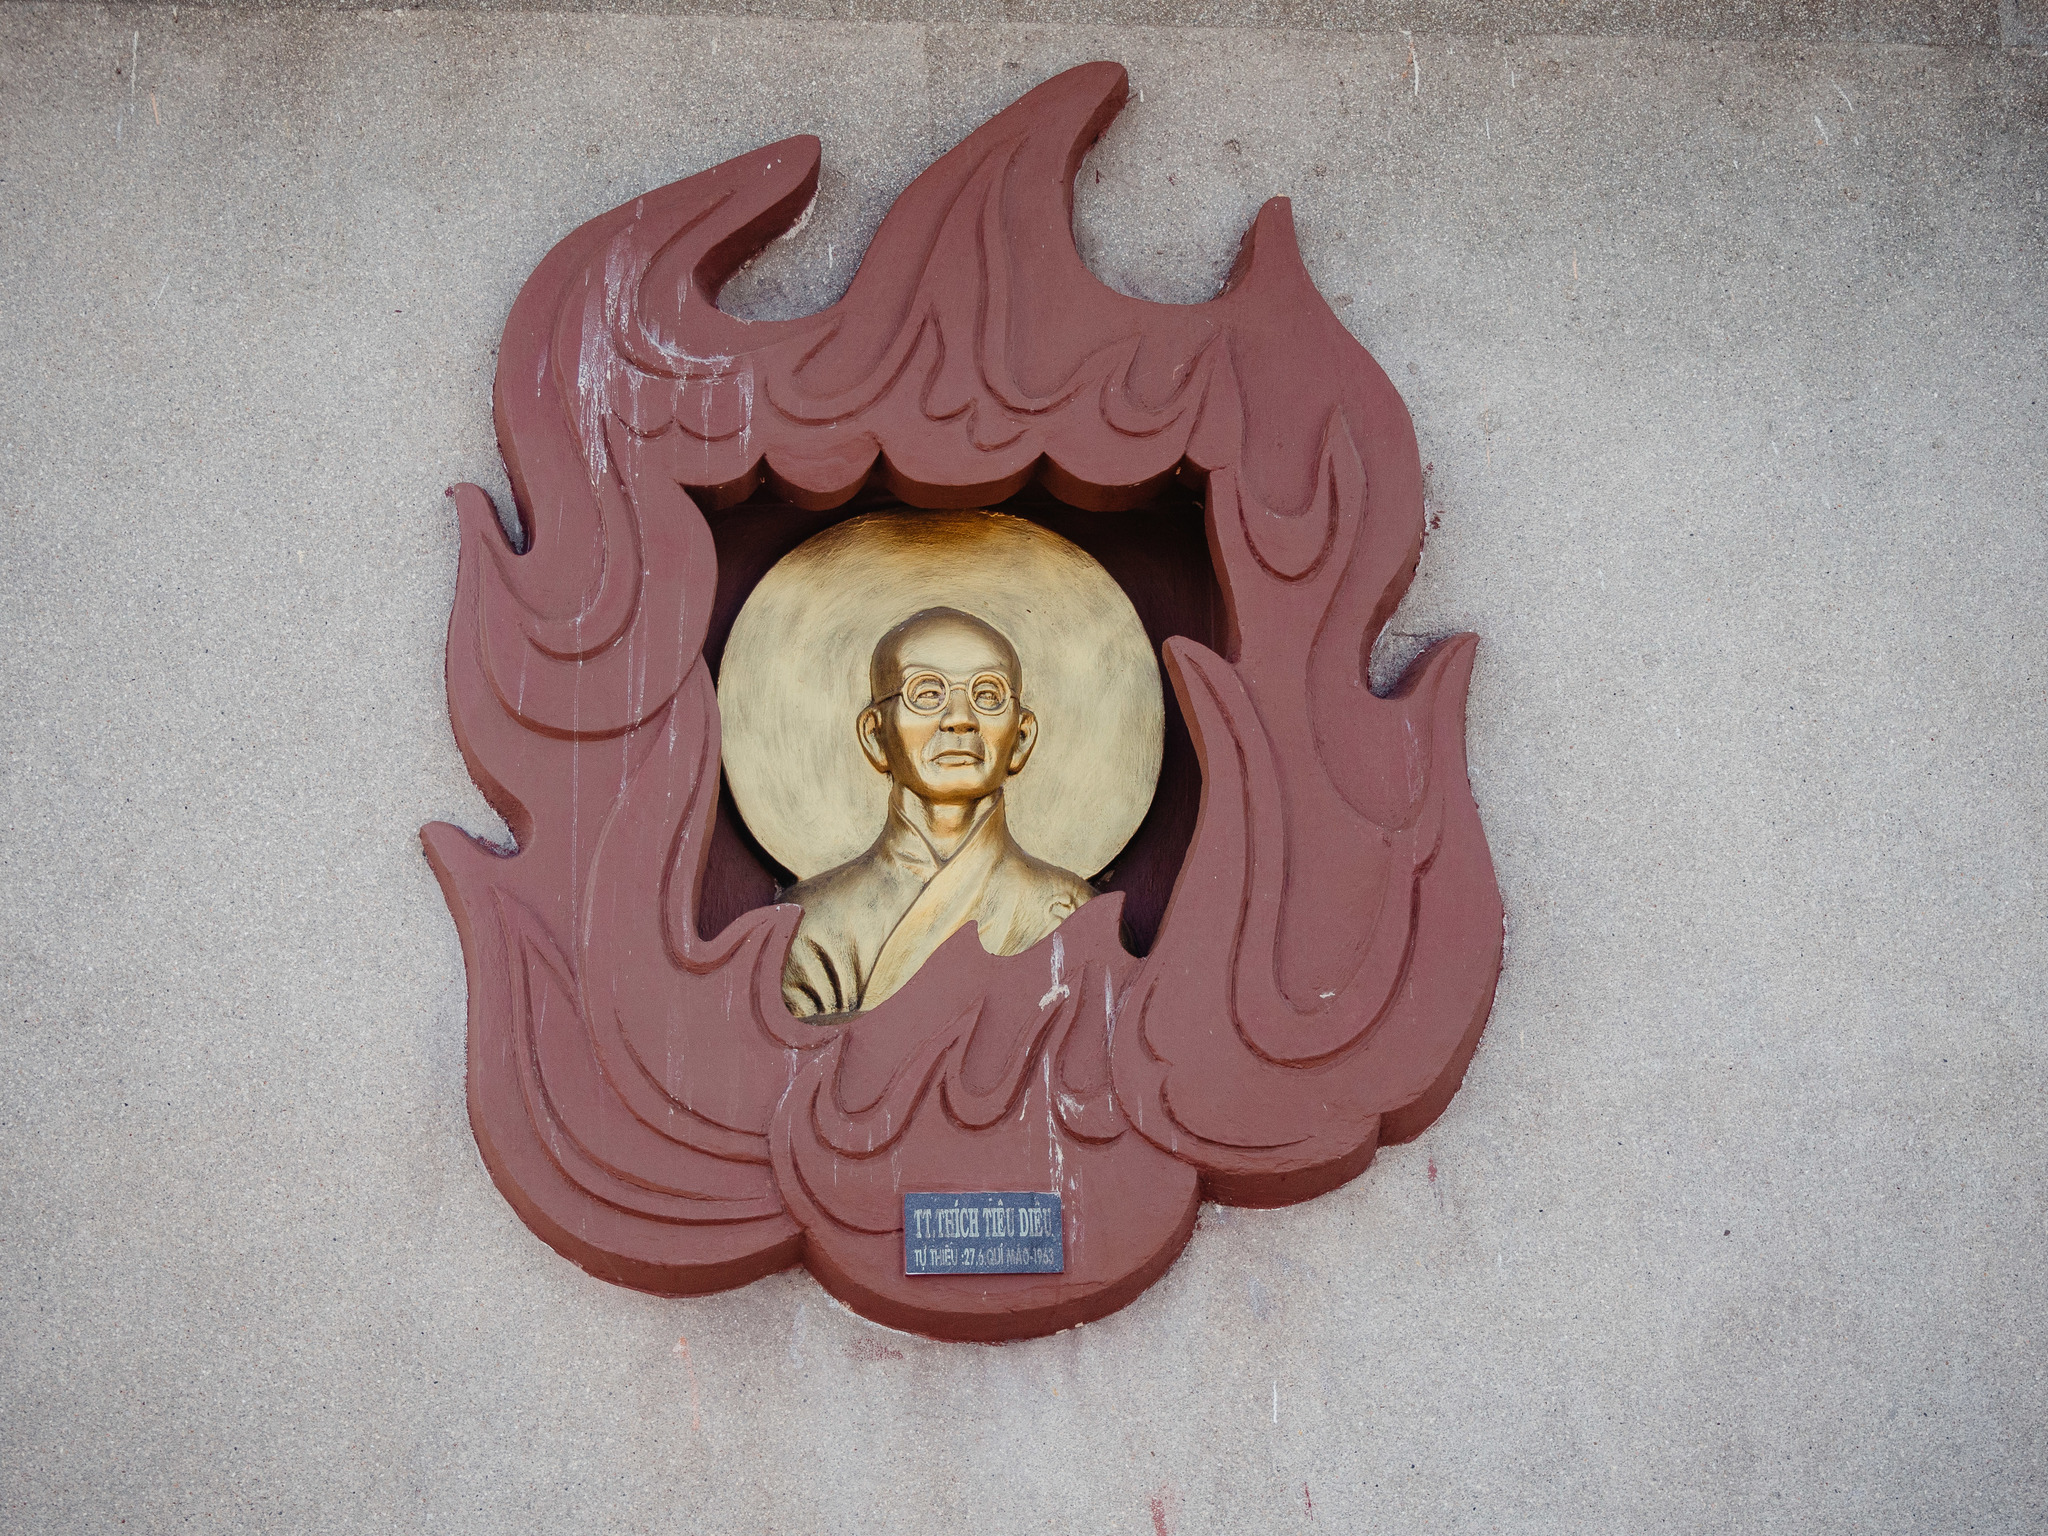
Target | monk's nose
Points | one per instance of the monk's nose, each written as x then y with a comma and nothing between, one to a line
959,714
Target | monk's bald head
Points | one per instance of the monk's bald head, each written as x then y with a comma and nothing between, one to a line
966,729
945,640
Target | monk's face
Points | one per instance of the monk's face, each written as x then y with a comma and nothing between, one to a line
941,724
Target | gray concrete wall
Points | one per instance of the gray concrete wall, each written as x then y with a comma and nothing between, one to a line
1728,359
1935,22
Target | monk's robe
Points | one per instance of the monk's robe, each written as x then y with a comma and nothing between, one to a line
869,924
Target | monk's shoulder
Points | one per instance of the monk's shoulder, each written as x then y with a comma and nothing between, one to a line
1061,890
835,938
851,886
820,890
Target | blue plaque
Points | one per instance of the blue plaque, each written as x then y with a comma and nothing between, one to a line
1016,1233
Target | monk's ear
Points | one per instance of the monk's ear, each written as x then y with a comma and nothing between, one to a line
869,729
1027,738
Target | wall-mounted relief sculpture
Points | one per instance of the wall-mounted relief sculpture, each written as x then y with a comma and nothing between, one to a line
985,957
875,712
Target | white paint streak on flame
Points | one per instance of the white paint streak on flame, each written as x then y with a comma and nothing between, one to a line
1056,1162
1059,988
594,360
745,380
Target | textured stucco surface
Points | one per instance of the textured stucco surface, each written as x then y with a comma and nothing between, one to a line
1933,22
1728,358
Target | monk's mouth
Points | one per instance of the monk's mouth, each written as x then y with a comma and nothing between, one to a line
958,757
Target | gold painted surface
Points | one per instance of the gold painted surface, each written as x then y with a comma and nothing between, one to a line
949,729
820,761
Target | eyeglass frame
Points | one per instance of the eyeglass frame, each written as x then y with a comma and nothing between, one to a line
1010,694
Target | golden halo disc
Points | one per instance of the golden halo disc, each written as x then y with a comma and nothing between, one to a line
795,679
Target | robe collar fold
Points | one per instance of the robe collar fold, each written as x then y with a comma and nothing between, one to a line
953,889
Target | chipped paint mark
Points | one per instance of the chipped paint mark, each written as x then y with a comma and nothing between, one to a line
1261,1299
1308,1503
1165,1509
682,1350
799,1334
801,219
873,1350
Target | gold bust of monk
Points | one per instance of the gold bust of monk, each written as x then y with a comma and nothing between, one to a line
948,726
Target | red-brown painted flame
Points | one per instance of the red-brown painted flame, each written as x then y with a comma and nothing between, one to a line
1328,957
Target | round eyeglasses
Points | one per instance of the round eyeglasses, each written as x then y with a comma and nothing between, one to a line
926,693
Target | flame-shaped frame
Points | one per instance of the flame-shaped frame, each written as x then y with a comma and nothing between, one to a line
1327,959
